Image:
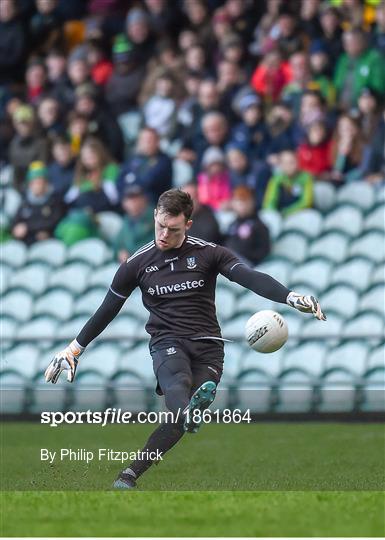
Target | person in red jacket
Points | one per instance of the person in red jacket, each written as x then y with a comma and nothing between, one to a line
271,75
315,154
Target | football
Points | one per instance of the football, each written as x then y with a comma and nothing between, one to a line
266,331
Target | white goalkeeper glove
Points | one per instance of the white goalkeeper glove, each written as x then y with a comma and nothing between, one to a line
306,304
66,360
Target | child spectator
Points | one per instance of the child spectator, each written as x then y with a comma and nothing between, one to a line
290,189
270,76
214,180
348,147
48,113
40,210
36,80
61,170
159,112
247,236
315,154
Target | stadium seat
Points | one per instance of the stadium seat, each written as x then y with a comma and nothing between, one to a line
110,224
308,356
92,251
224,282
90,301
104,357
374,390
13,253
102,277
17,304
279,269
378,275
52,252
365,325
57,303
324,196
234,356
225,299
138,359
123,326
374,300
10,199
332,246
355,273
341,299
5,275
73,277
351,355
13,392
224,218
129,392
295,321
295,392
375,219
273,221
182,173
360,194
8,327
380,194
315,329
129,123
337,392
21,358
134,306
376,357
248,303
69,330
48,397
42,328
344,219
272,363
292,246
253,391
315,273
307,222
90,391
234,328
371,245
33,277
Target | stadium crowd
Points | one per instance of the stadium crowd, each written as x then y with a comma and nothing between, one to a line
104,104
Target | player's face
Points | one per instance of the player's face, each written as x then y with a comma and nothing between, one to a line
170,230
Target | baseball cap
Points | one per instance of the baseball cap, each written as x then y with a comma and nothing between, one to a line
135,190
247,101
122,49
37,169
24,113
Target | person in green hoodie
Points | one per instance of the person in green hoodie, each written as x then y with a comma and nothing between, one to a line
358,67
138,223
290,189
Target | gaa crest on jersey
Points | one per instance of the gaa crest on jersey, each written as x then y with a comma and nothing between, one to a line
191,263
171,350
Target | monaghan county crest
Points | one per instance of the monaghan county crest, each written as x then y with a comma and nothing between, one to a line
191,263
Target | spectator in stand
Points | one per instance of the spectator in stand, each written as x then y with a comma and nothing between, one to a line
26,146
348,150
148,167
281,130
12,43
49,117
36,81
56,66
247,172
288,35
45,27
309,20
139,34
196,61
94,187
40,210
205,224
369,114
165,19
214,180
78,73
358,67
270,76
312,108
321,73
61,170
100,67
159,112
247,236
378,32
375,157
251,133
199,22
138,223
207,101
290,189
300,77
266,28
315,154
230,80
330,20
77,130
123,86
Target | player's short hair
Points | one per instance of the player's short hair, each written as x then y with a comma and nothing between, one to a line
175,202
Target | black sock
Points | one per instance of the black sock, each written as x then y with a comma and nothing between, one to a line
162,439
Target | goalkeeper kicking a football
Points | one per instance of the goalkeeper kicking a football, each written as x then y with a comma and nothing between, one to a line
177,276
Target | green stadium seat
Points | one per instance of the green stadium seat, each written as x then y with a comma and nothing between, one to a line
13,392
68,330
21,358
57,303
8,328
374,390
295,392
307,222
42,328
90,391
380,194
374,300
110,224
138,359
378,275
324,196
92,251
351,355
129,392
234,328
248,303
371,245
360,194
365,325
5,275
376,357
295,321
74,277
234,355
33,278
225,300
337,393
253,391
48,397
134,306
269,363
123,326
315,329
224,282
307,356
104,357
315,273
90,301
273,221
332,246
279,269
292,246
46,354
11,200
342,299
52,252
355,273
13,253
17,304
375,219
344,219
103,276
182,173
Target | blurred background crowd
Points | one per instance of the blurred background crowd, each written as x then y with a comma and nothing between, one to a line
247,104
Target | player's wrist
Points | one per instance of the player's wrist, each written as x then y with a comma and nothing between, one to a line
291,298
76,349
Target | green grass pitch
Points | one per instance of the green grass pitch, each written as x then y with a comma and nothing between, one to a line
263,479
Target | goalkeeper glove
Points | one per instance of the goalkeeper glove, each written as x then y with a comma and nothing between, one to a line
66,360
306,304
